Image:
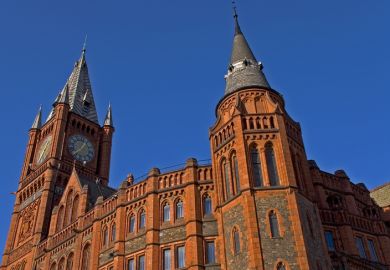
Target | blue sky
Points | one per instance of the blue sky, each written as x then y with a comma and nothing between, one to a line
161,64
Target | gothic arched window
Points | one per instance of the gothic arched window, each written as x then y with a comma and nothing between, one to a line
131,223
166,212
86,257
113,232
74,209
61,264
68,208
53,266
60,218
105,236
179,209
236,240
226,177
274,224
271,165
207,205
69,262
236,176
256,168
142,219
280,266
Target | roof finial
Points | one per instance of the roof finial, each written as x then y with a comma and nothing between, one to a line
85,43
235,16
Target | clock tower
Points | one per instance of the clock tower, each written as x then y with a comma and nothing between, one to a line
70,137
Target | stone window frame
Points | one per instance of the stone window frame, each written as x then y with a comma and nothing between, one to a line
280,261
69,258
205,241
128,259
234,172
282,229
53,265
62,262
226,177
236,229
163,250
143,254
113,232
364,245
269,149
375,247
175,203
176,255
255,147
89,245
105,236
334,235
140,211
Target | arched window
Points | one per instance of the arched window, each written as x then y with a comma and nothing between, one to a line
53,266
236,175
179,209
86,257
207,205
142,219
105,236
226,177
60,218
74,209
113,232
257,175
280,266
271,165
131,223
166,212
236,240
68,208
69,262
61,264
274,224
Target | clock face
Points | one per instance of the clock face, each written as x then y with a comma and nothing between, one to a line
80,148
44,150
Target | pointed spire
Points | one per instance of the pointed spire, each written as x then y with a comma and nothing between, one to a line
244,71
108,120
64,98
38,119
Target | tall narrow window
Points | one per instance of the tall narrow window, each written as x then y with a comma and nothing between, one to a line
166,213
329,240
53,266
131,223
61,264
236,241
167,259
256,168
179,209
207,205
74,209
130,264
105,236
69,262
113,232
274,224
371,247
235,172
360,247
225,176
210,252
141,262
60,218
86,257
180,257
142,220
271,165
281,266
68,209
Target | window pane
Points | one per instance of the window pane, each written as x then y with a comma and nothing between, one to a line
113,232
227,179
179,210
207,206
180,257
271,165
360,247
373,254
130,265
236,239
132,224
142,220
256,168
167,259
329,240
210,252
236,174
166,214
141,263
273,219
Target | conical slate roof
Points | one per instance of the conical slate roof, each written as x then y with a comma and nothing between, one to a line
108,120
38,119
78,91
244,70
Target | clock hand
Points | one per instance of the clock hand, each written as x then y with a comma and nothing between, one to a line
81,148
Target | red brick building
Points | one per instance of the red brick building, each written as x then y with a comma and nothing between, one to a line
260,204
